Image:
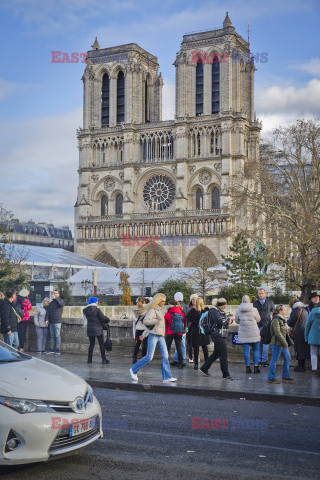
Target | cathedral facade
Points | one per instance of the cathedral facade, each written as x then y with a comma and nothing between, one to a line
154,193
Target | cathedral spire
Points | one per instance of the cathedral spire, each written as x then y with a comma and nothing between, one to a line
95,45
227,21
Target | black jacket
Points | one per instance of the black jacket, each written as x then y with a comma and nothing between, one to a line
218,319
55,309
265,311
95,319
300,345
193,318
9,320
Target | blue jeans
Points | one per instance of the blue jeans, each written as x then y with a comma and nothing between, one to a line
276,352
153,341
265,351
55,329
183,348
12,340
255,353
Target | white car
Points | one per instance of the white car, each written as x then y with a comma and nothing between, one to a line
45,411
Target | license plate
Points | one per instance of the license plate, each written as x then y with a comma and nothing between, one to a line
82,427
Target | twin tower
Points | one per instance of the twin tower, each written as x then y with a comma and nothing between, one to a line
154,193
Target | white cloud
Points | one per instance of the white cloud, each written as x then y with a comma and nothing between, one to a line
38,161
291,100
9,88
168,102
312,66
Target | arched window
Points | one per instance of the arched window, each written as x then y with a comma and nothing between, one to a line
215,85
146,103
120,97
119,202
105,100
215,196
199,87
104,205
199,199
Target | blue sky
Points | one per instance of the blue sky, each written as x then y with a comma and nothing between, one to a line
41,102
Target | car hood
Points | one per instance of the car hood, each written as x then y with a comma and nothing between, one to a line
39,380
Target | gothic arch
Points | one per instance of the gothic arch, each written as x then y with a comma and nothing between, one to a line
201,256
151,255
105,257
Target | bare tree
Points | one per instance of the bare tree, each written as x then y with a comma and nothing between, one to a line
281,195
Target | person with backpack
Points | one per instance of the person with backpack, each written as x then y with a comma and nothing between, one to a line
218,323
248,333
297,321
178,297
9,319
175,322
278,330
95,323
23,306
265,307
155,329
312,336
138,328
197,338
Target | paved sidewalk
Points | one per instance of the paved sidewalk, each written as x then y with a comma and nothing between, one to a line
306,389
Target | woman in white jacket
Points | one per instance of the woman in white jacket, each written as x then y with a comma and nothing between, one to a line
248,333
42,325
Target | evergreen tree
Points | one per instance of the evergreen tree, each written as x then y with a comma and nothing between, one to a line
242,265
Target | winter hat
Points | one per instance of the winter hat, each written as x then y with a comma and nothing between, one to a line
24,292
178,297
313,294
194,295
93,300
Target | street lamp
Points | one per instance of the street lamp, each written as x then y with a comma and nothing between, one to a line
85,284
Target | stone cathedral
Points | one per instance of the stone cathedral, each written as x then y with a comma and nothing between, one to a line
154,193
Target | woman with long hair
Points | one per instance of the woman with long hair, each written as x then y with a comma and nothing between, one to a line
197,339
155,329
138,312
278,329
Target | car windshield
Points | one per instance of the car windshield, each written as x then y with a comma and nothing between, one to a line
9,354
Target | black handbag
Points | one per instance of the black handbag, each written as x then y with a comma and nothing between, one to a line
108,341
289,340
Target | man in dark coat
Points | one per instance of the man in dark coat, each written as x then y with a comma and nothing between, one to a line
9,319
95,322
297,321
265,307
54,316
314,300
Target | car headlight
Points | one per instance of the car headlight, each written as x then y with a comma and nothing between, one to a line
21,405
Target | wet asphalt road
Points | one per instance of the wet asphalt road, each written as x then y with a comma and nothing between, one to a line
150,436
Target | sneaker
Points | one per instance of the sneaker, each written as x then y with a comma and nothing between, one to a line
105,361
57,352
228,377
134,376
288,380
50,352
172,379
206,373
256,370
174,364
190,360
248,370
273,381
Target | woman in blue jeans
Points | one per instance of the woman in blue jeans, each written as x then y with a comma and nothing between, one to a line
155,329
279,345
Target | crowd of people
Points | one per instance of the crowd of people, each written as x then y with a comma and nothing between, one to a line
189,327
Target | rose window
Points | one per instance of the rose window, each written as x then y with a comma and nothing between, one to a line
159,192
